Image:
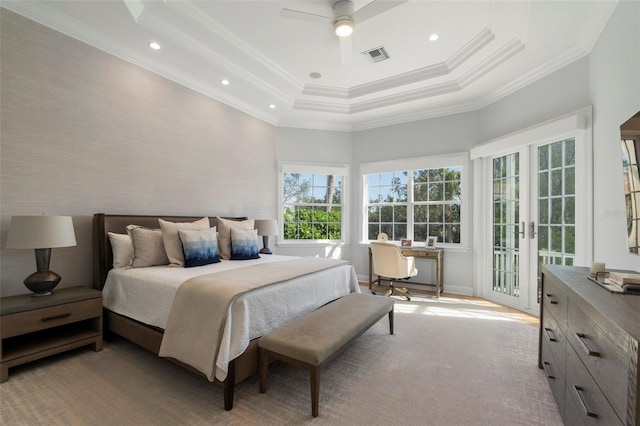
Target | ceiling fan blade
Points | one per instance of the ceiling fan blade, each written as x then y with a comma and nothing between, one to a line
374,8
304,16
346,50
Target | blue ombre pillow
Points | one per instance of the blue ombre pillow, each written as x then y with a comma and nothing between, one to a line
244,244
199,247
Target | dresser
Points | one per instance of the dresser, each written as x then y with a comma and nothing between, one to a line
588,348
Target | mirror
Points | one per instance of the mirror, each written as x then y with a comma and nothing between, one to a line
630,135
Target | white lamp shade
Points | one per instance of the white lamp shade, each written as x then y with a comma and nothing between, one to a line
266,227
38,232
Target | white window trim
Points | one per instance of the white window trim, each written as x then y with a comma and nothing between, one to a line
418,163
578,125
314,168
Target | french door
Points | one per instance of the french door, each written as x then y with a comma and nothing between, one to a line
533,218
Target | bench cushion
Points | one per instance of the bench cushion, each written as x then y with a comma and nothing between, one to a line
317,335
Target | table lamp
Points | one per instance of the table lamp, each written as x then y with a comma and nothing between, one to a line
266,228
41,233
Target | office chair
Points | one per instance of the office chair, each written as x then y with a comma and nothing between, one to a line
390,263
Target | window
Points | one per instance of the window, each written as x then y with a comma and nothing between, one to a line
313,200
424,200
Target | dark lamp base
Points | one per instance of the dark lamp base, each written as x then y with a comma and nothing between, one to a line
42,283
265,250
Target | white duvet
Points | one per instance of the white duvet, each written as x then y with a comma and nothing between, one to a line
146,295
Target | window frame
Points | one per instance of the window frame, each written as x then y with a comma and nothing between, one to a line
319,169
460,160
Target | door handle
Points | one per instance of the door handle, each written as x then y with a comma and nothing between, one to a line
532,230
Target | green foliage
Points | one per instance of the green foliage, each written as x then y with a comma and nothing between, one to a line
312,223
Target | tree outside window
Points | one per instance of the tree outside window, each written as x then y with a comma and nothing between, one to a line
415,204
312,206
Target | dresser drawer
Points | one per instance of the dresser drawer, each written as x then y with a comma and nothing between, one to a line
554,374
554,301
555,339
40,319
605,360
584,401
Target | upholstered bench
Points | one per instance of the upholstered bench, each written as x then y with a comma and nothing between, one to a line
314,338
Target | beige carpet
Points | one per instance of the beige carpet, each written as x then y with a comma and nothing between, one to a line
451,362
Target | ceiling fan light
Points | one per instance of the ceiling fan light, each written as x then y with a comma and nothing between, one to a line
343,27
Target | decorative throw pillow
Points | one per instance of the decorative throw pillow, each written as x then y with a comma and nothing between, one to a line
122,249
148,248
244,244
172,242
199,247
224,234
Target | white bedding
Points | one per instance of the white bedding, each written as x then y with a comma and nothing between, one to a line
146,295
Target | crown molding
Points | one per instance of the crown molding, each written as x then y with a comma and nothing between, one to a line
499,57
481,40
534,75
136,7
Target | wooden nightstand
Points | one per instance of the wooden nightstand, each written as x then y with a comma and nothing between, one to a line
36,327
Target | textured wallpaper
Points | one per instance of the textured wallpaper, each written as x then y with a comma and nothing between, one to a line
85,132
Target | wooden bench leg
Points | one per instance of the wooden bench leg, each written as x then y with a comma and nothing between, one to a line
391,321
314,380
264,366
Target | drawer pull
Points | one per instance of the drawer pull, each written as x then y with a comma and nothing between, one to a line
548,332
551,299
578,390
55,317
548,370
586,347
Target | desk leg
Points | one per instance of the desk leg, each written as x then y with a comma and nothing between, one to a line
370,270
439,267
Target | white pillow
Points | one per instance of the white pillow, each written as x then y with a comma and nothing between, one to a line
122,249
172,244
224,234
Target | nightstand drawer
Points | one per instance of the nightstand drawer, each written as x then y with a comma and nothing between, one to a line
40,319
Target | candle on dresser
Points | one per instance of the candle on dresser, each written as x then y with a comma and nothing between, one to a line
596,268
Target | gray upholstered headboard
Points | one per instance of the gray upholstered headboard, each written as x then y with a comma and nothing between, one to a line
105,223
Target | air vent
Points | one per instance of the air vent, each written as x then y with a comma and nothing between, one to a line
378,54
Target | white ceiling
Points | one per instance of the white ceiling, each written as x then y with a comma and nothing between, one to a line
486,50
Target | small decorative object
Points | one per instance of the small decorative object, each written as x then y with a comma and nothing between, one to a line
405,243
383,237
431,242
41,233
266,228
597,268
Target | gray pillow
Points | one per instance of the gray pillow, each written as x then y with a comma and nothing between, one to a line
148,247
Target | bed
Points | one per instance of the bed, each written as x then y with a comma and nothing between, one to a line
138,301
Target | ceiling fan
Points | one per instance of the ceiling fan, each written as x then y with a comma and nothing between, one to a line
344,19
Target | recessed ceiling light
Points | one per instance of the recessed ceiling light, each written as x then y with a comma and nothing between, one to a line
434,37
154,45
315,75
272,106
224,81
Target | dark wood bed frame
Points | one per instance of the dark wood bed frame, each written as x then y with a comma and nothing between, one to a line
144,335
